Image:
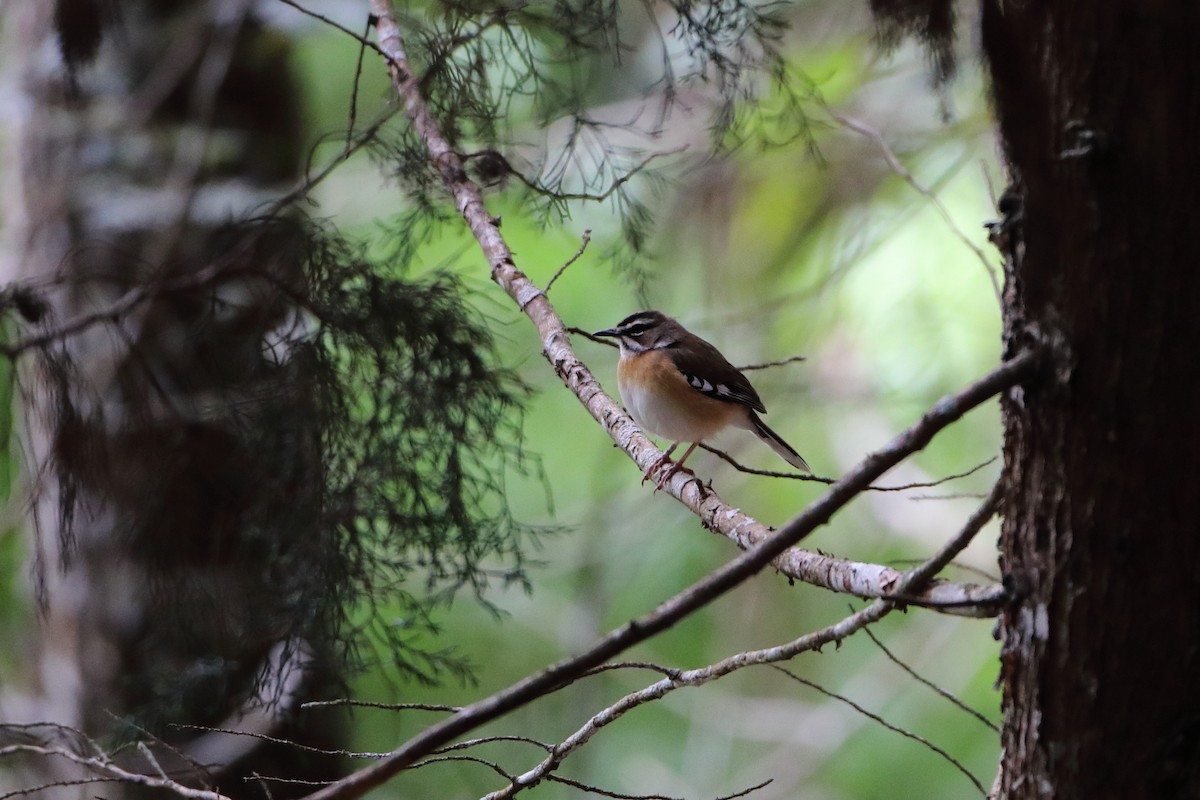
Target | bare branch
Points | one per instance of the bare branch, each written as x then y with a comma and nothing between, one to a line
782,362
894,162
102,764
600,197
891,727
120,307
923,680
584,240
909,582
384,706
606,792
795,476
747,791
763,546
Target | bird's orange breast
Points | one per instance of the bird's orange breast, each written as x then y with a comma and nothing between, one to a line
662,402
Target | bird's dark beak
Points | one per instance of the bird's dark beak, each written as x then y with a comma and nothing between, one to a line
606,332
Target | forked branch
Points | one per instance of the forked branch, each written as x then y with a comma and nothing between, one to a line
909,583
763,546
864,580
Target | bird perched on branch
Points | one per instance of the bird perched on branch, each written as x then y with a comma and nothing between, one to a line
676,385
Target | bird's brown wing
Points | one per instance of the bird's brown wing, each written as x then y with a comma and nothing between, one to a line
707,371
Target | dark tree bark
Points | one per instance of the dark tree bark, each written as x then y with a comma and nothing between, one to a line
1098,107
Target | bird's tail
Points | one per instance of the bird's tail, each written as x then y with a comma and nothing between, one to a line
777,444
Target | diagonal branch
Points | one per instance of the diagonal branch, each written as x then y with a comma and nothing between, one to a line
908,583
103,765
890,156
864,580
878,720
763,545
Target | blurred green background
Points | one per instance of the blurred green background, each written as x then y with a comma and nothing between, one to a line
768,253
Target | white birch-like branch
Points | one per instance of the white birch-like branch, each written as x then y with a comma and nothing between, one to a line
765,545
864,580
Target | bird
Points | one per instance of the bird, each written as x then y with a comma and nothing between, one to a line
678,386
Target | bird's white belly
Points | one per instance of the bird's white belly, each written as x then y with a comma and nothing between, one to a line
662,416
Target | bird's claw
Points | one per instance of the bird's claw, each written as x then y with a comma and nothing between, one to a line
671,467
655,467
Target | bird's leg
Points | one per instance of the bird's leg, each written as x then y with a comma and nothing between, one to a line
658,464
676,467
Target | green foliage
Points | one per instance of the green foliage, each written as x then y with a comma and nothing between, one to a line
419,423
397,464
489,71
412,422
346,473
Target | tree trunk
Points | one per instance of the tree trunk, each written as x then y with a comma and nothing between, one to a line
158,606
1098,109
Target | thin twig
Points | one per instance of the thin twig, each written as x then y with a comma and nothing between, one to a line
590,337
263,737
923,498
425,762
114,311
894,162
930,684
584,240
364,39
747,791
910,582
982,573
29,791
614,665
489,740
358,69
890,726
103,764
616,184
607,792
385,706
778,363
769,473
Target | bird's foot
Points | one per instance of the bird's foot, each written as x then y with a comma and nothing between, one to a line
658,464
670,469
